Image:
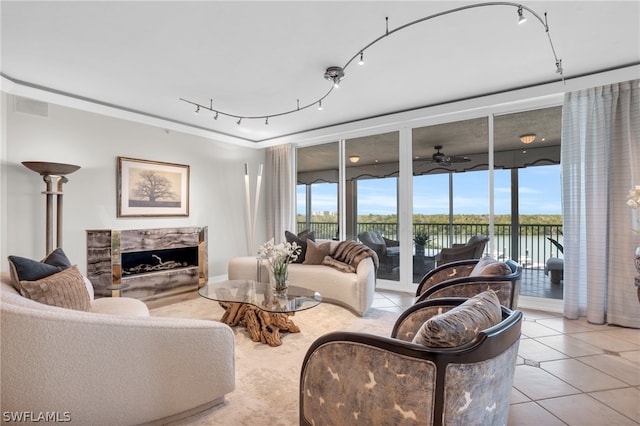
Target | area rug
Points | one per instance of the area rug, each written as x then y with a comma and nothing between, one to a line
267,378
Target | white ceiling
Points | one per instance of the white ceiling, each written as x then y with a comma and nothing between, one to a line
258,58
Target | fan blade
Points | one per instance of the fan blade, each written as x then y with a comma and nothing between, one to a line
454,159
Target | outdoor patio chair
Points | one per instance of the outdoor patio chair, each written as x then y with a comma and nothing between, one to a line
388,251
473,249
466,278
354,377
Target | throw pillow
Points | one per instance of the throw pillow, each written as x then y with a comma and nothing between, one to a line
461,324
64,289
336,264
24,269
489,266
300,239
316,252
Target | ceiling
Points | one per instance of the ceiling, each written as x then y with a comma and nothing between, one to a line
459,138
260,58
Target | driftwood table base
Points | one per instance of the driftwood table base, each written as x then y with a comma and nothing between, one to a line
262,326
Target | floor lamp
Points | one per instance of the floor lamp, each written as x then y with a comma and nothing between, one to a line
251,215
53,175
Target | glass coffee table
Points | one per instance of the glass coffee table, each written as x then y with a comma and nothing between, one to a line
257,307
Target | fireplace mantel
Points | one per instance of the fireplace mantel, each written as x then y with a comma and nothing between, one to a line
147,263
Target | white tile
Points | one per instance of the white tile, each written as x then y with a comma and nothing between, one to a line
569,346
607,340
537,384
531,349
616,366
584,410
530,413
626,401
581,376
563,325
535,329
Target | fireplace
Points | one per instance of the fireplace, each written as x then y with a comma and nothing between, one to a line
147,263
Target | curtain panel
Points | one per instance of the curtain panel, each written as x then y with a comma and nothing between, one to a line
600,157
279,191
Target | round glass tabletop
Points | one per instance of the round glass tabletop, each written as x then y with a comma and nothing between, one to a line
261,295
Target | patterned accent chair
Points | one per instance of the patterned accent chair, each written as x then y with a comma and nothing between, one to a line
472,249
466,278
360,378
388,251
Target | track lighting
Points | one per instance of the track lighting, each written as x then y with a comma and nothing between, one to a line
335,74
266,121
521,18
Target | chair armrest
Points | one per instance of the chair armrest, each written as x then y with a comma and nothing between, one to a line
391,243
506,287
461,268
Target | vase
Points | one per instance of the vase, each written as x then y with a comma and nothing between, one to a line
281,280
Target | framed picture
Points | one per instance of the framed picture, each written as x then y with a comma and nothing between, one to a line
152,188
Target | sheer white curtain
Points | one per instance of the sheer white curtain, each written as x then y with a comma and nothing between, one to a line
279,191
600,164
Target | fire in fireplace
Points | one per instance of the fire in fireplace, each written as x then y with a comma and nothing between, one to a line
144,262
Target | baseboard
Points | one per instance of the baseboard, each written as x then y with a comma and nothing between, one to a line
541,304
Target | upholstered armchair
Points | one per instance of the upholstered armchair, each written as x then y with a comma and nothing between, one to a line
472,249
388,250
466,278
360,378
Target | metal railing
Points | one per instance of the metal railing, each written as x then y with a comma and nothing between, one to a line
530,247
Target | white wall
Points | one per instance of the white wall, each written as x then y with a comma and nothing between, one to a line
94,142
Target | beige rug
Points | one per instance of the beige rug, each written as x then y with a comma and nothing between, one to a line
267,378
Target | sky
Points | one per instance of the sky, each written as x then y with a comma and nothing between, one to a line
540,189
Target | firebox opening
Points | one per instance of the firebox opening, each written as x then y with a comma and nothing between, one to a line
143,262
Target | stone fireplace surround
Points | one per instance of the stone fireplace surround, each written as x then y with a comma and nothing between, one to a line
147,263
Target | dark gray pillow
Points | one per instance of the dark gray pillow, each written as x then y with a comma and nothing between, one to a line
461,324
301,240
24,269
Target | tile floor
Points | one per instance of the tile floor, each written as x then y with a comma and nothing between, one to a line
569,372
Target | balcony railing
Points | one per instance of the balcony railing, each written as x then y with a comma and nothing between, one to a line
530,247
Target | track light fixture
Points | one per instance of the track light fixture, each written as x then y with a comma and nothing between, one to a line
335,74
521,18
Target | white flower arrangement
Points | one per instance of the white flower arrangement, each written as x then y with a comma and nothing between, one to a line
633,199
279,256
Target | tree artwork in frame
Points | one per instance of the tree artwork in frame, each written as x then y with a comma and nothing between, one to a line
152,188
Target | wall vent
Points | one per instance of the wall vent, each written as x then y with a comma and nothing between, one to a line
32,107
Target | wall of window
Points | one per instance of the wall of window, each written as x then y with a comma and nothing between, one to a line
467,178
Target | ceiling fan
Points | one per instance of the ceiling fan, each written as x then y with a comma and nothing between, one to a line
446,160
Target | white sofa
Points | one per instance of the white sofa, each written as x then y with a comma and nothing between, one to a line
97,368
354,291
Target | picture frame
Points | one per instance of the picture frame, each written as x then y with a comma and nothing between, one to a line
148,188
